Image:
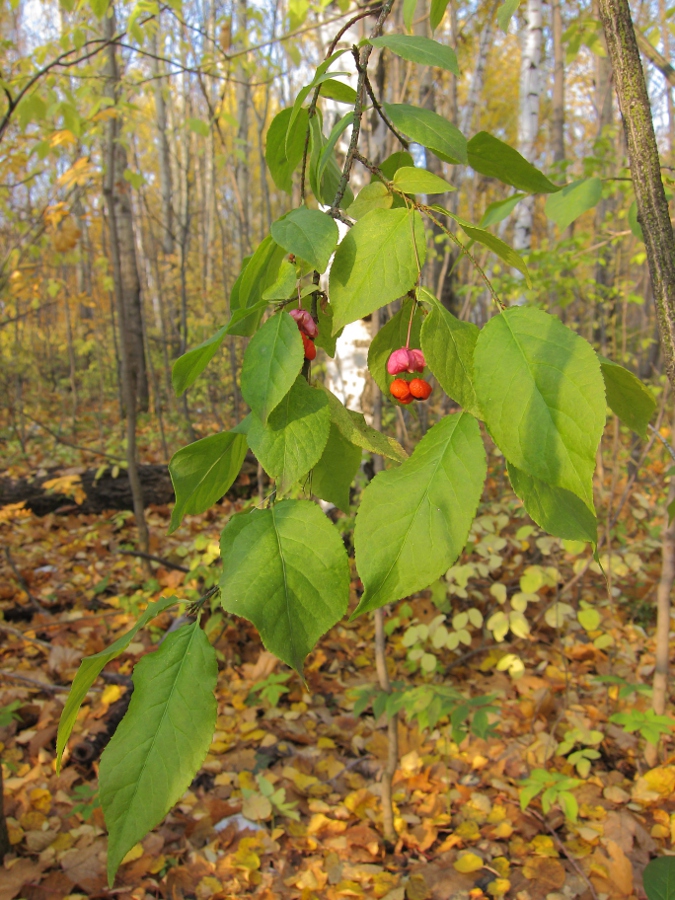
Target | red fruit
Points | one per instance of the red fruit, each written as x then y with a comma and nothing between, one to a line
401,390
308,344
419,388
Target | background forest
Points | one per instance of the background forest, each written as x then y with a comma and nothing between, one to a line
520,756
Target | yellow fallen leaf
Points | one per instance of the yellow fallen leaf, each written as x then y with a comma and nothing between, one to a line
111,694
41,799
135,853
470,862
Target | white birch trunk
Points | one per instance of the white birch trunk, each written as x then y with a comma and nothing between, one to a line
528,123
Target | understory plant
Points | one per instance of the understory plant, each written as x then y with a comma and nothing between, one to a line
525,382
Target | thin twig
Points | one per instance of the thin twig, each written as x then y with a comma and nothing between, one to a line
24,637
23,584
358,106
61,440
157,559
669,447
575,865
41,685
311,111
382,114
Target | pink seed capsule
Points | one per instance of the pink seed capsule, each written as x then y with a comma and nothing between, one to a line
399,361
418,361
305,322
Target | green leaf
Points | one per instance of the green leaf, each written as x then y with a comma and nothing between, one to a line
540,388
261,272
572,201
245,322
285,286
324,173
338,90
658,878
200,127
492,157
325,339
304,92
436,12
353,427
633,223
412,180
333,475
89,670
362,277
188,367
285,569
499,210
374,195
390,166
309,234
498,247
628,397
283,155
162,740
414,520
429,129
203,472
295,435
557,511
271,364
419,50
99,7
448,346
327,153
505,13
389,338
409,7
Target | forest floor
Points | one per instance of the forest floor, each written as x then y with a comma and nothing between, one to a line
287,803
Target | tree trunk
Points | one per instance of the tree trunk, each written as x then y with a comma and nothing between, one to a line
558,99
127,288
654,217
164,156
528,122
5,845
663,592
653,212
665,40
478,77
604,271
241,170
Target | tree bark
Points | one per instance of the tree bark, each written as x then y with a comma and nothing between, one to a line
241,170
604,268
528,123
653,212
391,765
164,156
478,77
558,99
127,289
118,199
663,592
654,217
5,845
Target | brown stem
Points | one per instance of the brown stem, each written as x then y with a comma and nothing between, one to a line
364,56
